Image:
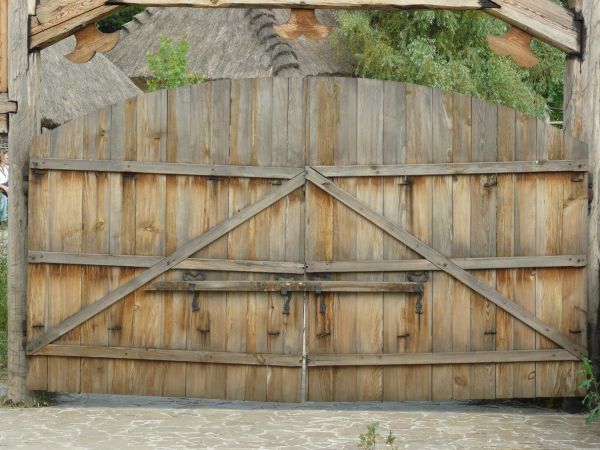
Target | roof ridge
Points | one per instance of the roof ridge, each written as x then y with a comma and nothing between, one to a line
261,22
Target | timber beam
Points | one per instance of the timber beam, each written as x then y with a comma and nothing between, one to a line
56,19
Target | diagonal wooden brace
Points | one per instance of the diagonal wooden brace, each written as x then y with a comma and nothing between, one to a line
445,264
166,263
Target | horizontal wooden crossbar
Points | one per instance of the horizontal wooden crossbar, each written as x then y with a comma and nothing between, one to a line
317,360
472,168
544,19
162,168
225,265
400,359
409,265
389,170
97,351
285,267
291,286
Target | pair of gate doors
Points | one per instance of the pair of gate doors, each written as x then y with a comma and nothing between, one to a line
326,239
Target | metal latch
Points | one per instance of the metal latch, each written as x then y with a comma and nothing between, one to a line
421,278
287,299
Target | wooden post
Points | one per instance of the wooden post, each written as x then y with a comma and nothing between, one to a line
582,120
23,88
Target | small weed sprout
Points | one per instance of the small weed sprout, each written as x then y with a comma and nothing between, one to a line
368,440
592,388
168,66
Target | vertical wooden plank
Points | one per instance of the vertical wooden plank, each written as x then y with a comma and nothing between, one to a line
65,218
419,137
123,144
293,324
442,284
37,297
461,243
574,239
345,234
483,243
396,193
242,239
24,88
96,213
149,235
176,308
258,303
369,245
209,203
3,45
505,221
550,377
524,374
320,137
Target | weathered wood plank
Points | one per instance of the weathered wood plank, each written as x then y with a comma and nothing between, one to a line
227,265
442,284
24,88
445,264
455,168
155,354
166,263
279,286
166,168
337,4
488,357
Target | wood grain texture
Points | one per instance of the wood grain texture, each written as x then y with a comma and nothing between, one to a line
497,278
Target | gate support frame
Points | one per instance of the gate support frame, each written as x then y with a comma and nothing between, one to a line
24,125
582,120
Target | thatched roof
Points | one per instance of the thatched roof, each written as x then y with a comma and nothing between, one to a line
227,43
70,90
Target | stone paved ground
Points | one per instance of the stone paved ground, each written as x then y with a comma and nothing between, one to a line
103,422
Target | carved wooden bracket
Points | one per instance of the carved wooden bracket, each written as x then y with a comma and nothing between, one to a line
302,22
89,41
516,43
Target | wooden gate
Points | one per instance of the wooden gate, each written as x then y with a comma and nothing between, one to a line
321,239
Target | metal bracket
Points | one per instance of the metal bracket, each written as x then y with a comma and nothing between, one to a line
322,304
421,278
193,276
287,299
195,303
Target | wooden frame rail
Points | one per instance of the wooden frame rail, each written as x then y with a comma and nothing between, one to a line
472,168
543,19
287,267
388,170
316,360
289,286
163,168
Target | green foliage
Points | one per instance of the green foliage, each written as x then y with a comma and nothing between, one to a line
449,50
168,66
118,19
368,440
592,388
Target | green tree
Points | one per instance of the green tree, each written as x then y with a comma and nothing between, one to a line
449,50
168,66
118,19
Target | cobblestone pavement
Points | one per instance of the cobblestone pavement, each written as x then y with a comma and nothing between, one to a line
110,422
